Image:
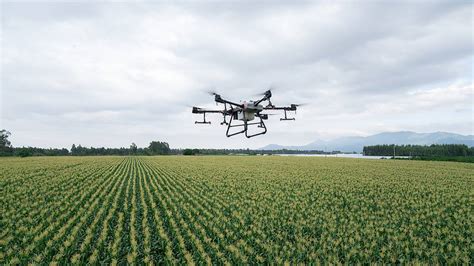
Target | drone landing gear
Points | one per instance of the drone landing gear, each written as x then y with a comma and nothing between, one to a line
245,126
224,122
260,124
286,118
204,120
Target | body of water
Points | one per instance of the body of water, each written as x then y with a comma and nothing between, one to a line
342,155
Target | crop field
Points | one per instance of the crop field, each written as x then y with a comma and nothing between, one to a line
235,210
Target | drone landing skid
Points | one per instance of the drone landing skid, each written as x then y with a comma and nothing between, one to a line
286,118
204,120
245,126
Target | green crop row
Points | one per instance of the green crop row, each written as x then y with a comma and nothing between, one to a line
234,210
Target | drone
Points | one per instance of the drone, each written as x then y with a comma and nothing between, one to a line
242,115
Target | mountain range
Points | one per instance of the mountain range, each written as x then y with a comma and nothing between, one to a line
356,144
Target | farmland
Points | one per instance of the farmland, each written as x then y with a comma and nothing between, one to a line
251,209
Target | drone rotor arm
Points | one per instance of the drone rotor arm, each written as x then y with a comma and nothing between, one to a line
220,100
266,97
287,108
198,110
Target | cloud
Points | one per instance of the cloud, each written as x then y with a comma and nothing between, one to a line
74,71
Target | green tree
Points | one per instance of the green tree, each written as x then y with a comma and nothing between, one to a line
188,152
24,152
5,145
191,151
158,147
133,148
73,149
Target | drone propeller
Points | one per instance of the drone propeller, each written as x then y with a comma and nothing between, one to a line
299,104
212,92
269,91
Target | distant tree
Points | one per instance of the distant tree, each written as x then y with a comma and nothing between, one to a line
133,148
188,152
158,147
191,151
73,149
24,152
418,150
80,150
64,152
5,144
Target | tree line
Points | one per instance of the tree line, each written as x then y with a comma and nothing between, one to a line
247,151
163,148
6,149
154,148
434,150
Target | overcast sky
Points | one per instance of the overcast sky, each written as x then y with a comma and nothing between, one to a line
114,73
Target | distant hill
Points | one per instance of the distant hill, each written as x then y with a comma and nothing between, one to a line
350,144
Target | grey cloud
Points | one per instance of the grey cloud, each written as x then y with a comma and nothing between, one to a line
117,67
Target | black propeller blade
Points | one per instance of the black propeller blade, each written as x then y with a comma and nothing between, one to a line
299,104
266,93
212,92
